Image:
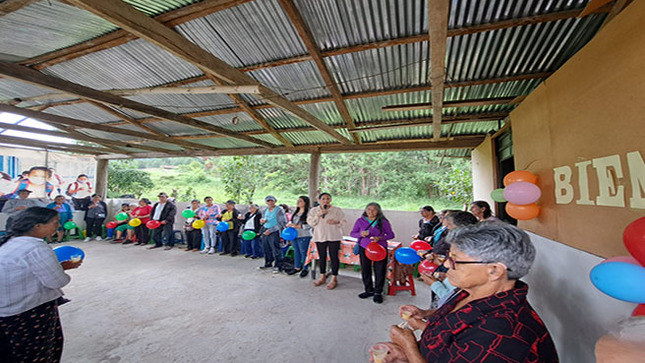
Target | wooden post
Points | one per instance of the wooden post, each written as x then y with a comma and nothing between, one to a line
101,178
314,173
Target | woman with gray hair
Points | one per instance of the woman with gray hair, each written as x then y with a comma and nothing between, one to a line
489,320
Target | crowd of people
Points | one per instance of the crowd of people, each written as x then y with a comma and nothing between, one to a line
480,312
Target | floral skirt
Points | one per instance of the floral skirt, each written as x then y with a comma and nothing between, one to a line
33,336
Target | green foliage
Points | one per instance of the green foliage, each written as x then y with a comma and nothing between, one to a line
124,178
240,176
457,183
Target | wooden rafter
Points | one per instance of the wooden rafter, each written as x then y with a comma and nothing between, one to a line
67,121
53,146
186,90
450,104
310,43
25,74
438,11
9,6
157,33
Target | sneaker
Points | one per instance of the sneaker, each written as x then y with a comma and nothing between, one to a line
87,239
247,256
205,250
223,253
378,298
265,267
276,270
233,254
292,272
99,238
211,250
304,273
365,295
127,242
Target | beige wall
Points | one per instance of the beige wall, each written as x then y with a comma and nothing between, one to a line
483,164
591,108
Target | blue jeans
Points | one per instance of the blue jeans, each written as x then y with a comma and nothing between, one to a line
161,234
300,247
272,251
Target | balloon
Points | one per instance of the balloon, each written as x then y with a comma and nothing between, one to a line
375,252
498,195
620,280
639,310
626,259
135,222
248,235
522,212
66,253
420,246
111,225
519,176
427,267
634,239
121,216
199,224
222,226
289,234
152,224
406,255
188,213
69,225
522,193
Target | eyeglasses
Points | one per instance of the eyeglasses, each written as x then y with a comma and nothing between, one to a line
453,263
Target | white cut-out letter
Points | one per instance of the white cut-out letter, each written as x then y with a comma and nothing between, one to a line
610,193
637,179
562,187
583,183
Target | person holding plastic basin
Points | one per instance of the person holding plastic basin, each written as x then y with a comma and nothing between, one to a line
30,329
490,319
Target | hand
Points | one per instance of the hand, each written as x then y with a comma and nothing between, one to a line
417,324
263,221
364,233
415,237
68,265
394,354
267,232
404,338
22,207
416,312
428,239
376,239
428,279
225,219
332,221
240,217
164,222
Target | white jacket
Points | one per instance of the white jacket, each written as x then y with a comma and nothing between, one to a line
323,231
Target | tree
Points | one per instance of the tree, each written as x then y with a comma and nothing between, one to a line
457,184
240,176
124,178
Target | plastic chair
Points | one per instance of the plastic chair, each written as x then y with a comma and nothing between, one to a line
290,252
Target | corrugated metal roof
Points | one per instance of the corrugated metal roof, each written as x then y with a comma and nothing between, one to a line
298,81
280,119
11,89
156,7
182,103
309,137
174,128
83,111
245,122
224,143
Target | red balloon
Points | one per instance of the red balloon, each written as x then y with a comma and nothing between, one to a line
420,246
111,225
375,252
153,224
427,267
639,311
634,239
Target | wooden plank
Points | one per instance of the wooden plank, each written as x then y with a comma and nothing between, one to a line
228,89
438,11
465,103
153,31
67,121
34,77
21,141
9,6
618,6
310,43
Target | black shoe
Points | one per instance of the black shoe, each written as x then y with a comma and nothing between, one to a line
127,242
378,298
365,295
247,256
223,253
265,267
233,254
304,273
255,257
292,272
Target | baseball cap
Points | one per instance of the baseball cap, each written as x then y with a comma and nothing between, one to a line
162,194
24,190
270,197
230,201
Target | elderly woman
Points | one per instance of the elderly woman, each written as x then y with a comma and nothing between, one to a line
427,223
32,277
489,320
481,210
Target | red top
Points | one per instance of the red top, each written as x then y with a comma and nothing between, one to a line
500,328
142,211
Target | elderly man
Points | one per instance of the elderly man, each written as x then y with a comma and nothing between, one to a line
13,206
490,319
273,221
164,211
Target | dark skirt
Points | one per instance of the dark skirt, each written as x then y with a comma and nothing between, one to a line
33,336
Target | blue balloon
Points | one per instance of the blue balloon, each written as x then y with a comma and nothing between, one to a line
289,234
407,256
66,253
222,226
620,280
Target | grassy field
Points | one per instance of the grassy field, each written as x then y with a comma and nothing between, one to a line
166,180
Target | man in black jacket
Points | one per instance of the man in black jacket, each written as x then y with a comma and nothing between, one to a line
164,211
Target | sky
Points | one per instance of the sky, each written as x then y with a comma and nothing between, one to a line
10,118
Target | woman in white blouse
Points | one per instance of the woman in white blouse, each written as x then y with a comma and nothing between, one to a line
31,284
327,221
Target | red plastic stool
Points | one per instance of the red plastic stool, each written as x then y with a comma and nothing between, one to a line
394,287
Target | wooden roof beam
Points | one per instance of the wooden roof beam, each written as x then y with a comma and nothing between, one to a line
308,39
67,121
438,11
449,104
9,6
28,75
136,22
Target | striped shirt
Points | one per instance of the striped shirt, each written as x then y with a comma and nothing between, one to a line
30,275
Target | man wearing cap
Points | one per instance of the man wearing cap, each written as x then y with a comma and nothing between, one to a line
164,211
13,206
229,237
273,221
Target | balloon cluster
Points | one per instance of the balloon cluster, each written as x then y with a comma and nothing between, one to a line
623,277
521,193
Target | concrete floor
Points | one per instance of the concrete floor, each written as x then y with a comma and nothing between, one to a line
130,304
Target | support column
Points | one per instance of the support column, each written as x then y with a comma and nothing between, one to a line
314,173
101,178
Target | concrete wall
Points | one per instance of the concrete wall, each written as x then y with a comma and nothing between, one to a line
483,165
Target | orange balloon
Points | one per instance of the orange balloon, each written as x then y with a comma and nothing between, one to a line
522,212
519,176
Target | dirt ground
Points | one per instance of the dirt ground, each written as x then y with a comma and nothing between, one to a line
130,304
